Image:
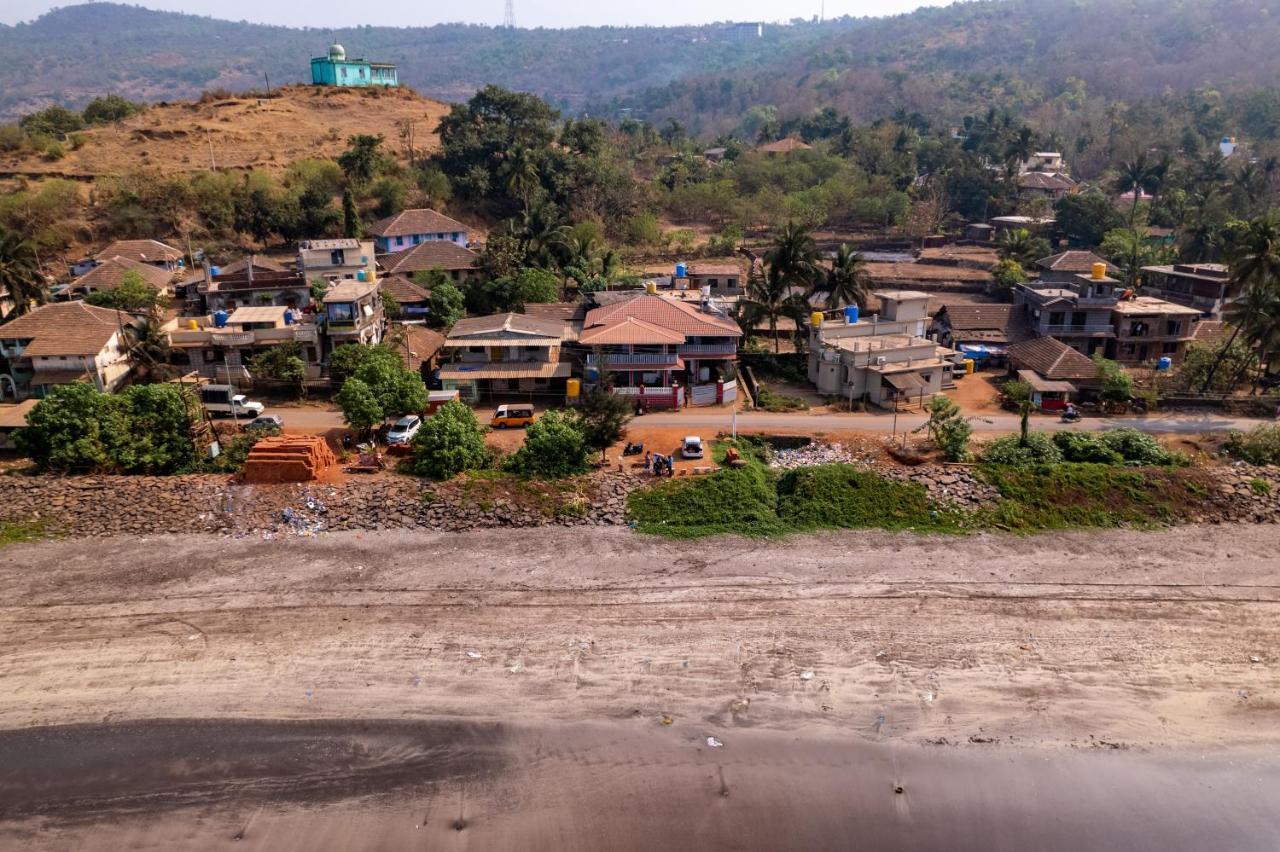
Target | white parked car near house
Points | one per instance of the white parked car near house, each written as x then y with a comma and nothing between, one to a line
691,447
403,430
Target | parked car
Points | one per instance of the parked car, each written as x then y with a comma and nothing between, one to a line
403,430
514,416
266,422
227,400
691,448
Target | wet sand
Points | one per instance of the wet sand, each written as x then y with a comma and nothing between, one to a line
554,689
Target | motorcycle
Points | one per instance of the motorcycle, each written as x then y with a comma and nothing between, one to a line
1070,415
633,449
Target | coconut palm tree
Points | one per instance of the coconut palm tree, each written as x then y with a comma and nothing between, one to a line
148,349
20,272
773,296
1253,254
1021,245
1019,149
794,256
522,177
846,282
1139,175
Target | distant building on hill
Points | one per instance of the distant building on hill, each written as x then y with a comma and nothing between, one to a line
337,70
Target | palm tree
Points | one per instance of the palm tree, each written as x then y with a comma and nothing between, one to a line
1021,245
20,272
1254,257
794,256
773,296
542,234
148,348
1020,149
1137,176
522,177
846,282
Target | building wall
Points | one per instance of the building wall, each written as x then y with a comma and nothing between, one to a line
408,241
326,72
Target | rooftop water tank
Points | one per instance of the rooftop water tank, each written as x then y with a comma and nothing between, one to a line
220,319
360,275
1099,271
213,270
815,319
851,314
290,317
651,287
682,271
1165,363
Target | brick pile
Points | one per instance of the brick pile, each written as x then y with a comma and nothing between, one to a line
288,458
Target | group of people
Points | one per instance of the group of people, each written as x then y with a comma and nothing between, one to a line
658,464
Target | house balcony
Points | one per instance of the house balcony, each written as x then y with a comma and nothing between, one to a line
187,338
708,350
1078,330
639,359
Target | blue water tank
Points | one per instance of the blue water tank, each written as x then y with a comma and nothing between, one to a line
1164,364
360,275
220,319
289,317
851,314
682,271
213,270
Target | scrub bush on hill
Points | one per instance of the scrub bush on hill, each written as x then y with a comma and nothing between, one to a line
1261,446
1085,447
1012,451
1137,448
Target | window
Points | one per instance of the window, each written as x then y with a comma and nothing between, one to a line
476,349
417,238
341,312
1057,318
337,257
399,241
1172,328
1127,349
1169,349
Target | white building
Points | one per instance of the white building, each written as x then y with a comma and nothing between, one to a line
63,343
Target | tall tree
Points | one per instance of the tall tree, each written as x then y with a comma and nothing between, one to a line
350,215
148,348
20,272
1139,175
1253,254
774,297
846,282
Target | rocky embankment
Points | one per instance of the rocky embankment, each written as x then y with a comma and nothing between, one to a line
141,505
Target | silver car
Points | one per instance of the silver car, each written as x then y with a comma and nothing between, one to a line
403,430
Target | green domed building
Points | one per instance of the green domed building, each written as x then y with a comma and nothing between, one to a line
337,70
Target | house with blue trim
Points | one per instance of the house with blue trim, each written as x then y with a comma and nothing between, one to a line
337,70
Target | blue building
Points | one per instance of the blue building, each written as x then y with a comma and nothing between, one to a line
337,70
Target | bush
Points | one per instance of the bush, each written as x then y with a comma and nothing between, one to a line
1011,451
841,496
1085,447
1261,446
738,500
767,400
450,442
554,447
1088,495
1137,448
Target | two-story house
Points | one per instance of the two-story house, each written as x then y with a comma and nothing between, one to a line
353,313
506,354
1207,287
1078,313
1063,267
63,343
412,227
248,288
219,347
651,341
336,260
1148,329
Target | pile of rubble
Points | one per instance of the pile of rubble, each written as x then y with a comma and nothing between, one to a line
811,455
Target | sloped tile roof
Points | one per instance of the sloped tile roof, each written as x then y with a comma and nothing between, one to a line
1074,261
628,330
1210,332
666,313
990,323
1045,180
65,328
108,274
417,221
1052,359
434,254
403,290
504,323
146,251
423,345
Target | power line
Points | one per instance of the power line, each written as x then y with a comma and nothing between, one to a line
509,20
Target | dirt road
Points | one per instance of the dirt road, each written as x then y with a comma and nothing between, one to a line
555,689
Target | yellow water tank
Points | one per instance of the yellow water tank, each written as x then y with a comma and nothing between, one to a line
815,319
573,387
1099,271
651,287
371,272
192,325
969,366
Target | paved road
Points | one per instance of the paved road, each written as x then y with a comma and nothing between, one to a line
319,419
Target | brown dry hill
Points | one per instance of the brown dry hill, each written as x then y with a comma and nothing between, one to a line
241,132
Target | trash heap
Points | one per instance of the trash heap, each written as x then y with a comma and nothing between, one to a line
812,455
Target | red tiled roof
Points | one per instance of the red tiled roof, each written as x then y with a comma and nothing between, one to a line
65,328
108,274
784,146
403,290
628,330
1045,180
665,313
1210,332
994,322
1052,359
435,254
147,251
421,344
418,221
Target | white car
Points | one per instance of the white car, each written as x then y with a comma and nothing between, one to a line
403,430
691,447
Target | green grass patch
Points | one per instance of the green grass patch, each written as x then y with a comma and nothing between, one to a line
1069,496
19,532
767,400
839,496
735,500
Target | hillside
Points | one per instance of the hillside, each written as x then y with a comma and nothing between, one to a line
1022,55
241,132
73,54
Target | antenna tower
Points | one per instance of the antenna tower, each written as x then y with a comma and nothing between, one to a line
509,20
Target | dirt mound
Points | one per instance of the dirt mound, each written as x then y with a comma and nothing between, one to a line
244,132
288,458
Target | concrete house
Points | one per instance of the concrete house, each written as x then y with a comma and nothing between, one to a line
1055,372
1207,287
1062,268
1078,313
109,274
506,354
336,260
421,225
228,292
461,264
885,361
63,343
221,349
353,313
1148,329
337,69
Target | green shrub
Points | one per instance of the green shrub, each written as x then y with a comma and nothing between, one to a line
1261,446
1085,447
1137,448
1011,451
841,496
767,400
1260,487
1068,496
450,442
554,447
740,500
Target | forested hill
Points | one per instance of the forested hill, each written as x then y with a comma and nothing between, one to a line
1020,55
72,54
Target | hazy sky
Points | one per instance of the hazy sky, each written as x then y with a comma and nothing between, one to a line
529,13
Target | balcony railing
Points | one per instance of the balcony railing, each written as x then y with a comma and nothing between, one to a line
647,358
708,349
